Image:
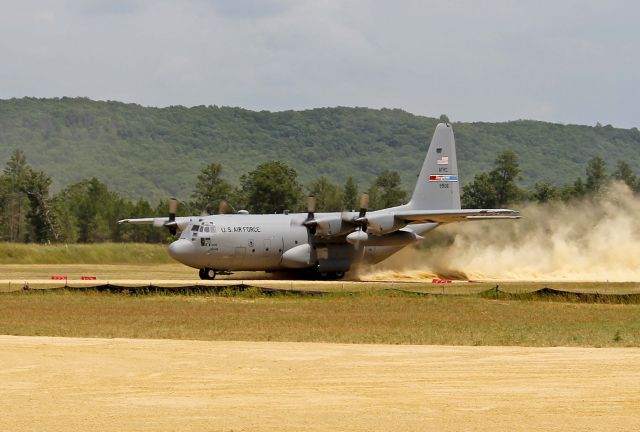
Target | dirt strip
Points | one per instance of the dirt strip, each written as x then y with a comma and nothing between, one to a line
68,384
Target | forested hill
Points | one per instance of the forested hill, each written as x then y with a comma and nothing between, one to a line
156,152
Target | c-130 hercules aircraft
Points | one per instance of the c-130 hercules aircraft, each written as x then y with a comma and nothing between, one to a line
325,245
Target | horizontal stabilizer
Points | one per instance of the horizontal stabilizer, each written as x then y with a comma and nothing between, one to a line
470,218
447,216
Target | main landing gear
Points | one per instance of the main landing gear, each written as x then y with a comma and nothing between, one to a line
207,274
330,275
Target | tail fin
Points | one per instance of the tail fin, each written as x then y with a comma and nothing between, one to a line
438,187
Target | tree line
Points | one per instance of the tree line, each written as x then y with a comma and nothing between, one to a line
499,187
87,211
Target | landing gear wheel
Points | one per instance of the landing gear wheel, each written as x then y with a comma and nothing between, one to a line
331,275
207,274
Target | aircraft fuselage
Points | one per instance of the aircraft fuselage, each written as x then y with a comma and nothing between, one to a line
271,242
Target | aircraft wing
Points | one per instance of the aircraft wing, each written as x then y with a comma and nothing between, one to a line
142,221
459,215
180,222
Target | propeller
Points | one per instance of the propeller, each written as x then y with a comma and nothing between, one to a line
310,222
358,237
171,223
311,207
364,206
224,207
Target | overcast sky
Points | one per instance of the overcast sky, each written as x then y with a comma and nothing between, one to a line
562,61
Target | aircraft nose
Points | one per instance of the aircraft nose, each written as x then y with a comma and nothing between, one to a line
181,250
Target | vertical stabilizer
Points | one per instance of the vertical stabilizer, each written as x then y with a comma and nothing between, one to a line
438,187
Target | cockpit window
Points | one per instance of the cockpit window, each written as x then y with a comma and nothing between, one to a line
201,229
195,228
206,229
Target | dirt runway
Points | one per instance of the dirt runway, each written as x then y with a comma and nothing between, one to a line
60,384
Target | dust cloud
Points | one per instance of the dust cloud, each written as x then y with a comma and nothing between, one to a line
593,239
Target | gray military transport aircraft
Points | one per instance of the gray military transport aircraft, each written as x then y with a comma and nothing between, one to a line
325,245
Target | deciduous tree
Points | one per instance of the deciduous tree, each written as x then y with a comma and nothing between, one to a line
210,189
387,191
596,174
350,195
623,172
328,195
504,177
271,188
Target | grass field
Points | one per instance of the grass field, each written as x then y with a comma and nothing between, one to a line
353,313
368,317
101,253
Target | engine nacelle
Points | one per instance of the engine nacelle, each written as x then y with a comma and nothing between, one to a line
332,226
397,238
298,257
357,237
383,224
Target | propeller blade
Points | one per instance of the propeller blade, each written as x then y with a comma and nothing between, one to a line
311,206
223,207
310,222
173,207
364,204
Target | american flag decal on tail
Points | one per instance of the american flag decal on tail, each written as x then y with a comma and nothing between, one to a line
443,178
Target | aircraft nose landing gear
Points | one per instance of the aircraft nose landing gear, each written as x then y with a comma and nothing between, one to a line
207,274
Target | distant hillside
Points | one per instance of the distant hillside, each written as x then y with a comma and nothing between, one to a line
155,152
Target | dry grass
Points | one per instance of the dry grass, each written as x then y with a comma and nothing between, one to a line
363,318
102,253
